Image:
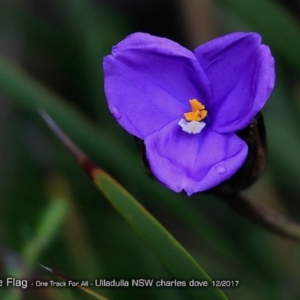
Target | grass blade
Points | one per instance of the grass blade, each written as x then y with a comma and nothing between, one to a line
83,288
109,151
162,243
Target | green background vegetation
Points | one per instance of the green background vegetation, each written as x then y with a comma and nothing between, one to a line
50,211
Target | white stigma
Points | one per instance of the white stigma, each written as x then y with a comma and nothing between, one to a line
192,126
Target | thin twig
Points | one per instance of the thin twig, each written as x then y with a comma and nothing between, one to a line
263,216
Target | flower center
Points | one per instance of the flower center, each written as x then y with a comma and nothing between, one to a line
192,122
198,112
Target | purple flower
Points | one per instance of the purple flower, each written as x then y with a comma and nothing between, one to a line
187,106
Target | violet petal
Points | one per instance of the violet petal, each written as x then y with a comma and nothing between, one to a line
149,82
193,163
241,73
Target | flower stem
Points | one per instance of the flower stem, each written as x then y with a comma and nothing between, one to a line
263,216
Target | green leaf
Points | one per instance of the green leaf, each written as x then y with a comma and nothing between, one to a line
172,254
79,286
109,151
49,225
162,243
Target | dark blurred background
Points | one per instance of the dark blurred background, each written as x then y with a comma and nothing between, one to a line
50,212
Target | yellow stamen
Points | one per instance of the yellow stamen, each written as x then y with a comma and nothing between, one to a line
203,114
196,105
192,116
198,112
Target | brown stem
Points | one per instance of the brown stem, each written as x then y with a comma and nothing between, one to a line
263,216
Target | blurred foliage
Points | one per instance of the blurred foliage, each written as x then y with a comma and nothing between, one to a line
61,45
